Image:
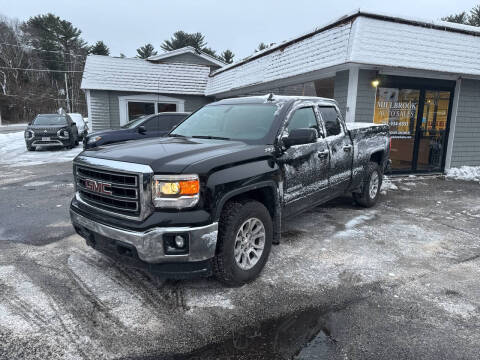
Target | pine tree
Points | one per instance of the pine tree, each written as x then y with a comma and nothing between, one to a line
263,46
461,18
227,56
100,48
181,39
474,16
145,51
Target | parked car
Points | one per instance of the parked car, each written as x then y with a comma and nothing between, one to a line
143,127
51,130
81,124
211,196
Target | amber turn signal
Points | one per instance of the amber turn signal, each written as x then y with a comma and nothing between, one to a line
190,187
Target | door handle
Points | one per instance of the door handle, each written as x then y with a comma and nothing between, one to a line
347,148
322,154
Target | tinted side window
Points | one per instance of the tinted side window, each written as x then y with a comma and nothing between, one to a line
331,120
303,118
151,124
166,123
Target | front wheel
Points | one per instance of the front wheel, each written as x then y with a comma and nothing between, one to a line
30,148
244,242
371,188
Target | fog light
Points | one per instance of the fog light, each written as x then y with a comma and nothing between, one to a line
179,241
176,244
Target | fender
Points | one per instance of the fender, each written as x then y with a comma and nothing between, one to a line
260,185
277,208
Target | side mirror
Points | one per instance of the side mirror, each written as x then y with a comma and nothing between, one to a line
141,129
300,137
29,124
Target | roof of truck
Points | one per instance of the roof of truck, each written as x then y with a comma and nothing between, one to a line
271,98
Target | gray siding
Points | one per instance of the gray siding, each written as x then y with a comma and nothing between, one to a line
304,89
188,58
193,103
365,96
100,108
466,143
341,90
105,107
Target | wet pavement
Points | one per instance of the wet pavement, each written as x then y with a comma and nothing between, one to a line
399,280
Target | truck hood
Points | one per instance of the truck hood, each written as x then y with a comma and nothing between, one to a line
176,155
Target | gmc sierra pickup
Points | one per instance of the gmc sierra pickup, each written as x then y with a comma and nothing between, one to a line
210,197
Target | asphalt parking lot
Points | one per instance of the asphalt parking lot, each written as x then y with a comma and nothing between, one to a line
399,280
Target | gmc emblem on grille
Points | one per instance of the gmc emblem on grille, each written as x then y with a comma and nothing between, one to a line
98,187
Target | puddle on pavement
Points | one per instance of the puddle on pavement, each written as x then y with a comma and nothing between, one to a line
302,335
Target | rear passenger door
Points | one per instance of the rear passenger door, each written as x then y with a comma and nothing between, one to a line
305,166
341,149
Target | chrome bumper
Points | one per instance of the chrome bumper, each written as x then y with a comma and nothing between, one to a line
149,244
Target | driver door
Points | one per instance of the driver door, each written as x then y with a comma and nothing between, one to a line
305,166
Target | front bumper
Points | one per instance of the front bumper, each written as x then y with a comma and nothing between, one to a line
149,244
53,141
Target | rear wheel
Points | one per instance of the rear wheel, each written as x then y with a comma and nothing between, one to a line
371,189
244,242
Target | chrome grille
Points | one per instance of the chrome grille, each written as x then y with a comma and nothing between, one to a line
116,192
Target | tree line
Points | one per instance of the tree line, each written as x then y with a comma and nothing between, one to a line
42,61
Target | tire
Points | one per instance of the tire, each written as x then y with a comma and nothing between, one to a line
369,198
30,148
227,268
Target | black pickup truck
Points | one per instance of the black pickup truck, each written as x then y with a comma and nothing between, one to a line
210,197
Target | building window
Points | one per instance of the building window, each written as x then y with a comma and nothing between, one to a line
163,107
137,109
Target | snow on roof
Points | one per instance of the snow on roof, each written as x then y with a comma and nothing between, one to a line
184,50
130,74
359,37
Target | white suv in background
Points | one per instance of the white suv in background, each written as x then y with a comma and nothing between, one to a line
81,124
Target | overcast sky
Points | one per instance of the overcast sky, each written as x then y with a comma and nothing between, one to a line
237,25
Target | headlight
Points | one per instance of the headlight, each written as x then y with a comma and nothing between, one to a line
63,134
94,139
29,134
175,191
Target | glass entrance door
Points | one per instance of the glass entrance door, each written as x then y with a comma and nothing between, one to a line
399,109
418,121
433,129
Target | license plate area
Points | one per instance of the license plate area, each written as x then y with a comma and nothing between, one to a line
45,138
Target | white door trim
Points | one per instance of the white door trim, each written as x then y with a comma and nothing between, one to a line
453,122
154,98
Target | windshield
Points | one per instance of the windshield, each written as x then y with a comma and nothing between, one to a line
135,122
50,119
244,122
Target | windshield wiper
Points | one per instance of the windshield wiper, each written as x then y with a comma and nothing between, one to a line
210,137
176,135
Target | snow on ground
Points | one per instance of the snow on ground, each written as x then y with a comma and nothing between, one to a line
468,173
387,184
14,153
13,125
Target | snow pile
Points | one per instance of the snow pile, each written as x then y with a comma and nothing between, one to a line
13,152
467,173
387,184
